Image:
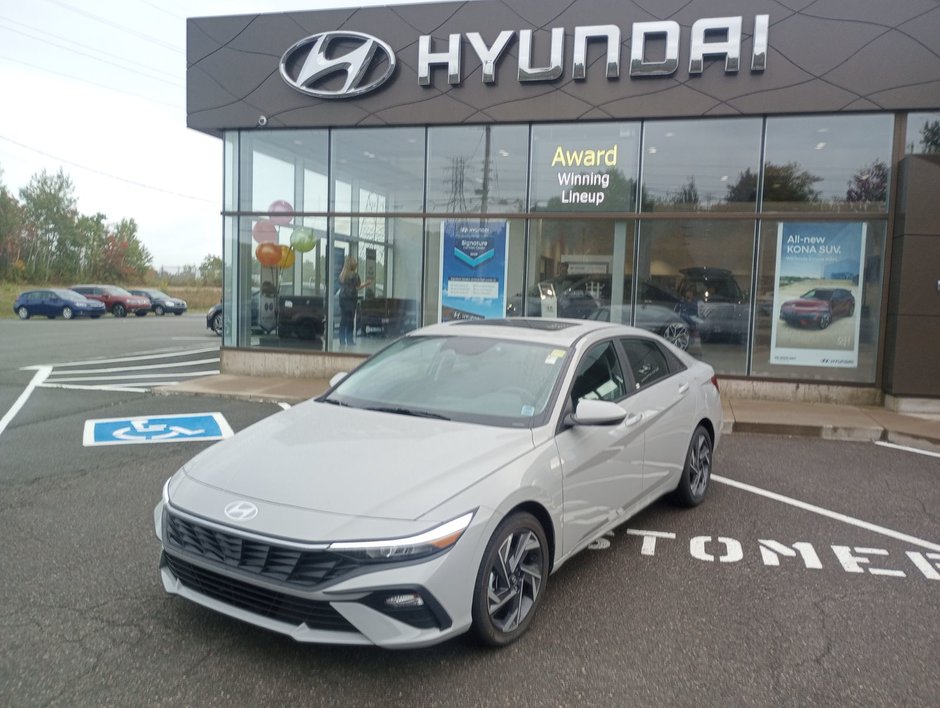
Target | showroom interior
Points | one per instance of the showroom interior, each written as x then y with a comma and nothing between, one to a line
770,217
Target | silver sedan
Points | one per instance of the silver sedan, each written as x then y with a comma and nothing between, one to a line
436,488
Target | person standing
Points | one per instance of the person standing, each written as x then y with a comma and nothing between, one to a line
349,286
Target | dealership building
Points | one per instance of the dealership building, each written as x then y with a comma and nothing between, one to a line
758,182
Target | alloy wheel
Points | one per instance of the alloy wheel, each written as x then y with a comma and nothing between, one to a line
677,334
515,580
700,465
23,313
67,313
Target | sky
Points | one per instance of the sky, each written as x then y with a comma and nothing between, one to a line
97,88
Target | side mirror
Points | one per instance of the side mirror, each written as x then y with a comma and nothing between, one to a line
338,377
597,413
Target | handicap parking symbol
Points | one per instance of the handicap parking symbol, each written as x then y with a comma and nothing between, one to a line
139,430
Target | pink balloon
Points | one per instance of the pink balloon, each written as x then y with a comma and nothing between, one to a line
264,231
283,210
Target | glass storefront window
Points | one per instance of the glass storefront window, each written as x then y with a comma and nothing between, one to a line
828,163
701,165
580,268
271,166
819,293
584,167
387,162
499,287
701,271
923,133
380,297
477,168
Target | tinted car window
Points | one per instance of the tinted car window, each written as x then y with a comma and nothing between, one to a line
599,376
647,361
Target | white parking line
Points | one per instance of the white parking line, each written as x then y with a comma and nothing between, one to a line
826,512
893,446
171,365
41,373
140,357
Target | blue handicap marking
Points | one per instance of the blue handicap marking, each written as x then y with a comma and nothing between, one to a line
197,427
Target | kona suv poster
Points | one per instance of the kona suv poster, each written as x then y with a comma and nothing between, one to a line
473,269
818,294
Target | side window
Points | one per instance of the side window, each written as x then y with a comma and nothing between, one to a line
599,376
647,361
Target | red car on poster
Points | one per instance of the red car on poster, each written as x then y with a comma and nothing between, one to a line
818,307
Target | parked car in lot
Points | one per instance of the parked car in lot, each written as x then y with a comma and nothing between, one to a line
486,454
160,302
116,300
818,307
56,302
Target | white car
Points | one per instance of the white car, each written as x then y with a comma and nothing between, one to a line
435,488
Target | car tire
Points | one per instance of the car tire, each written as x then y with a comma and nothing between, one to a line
119,310
217,324
159,311
825,320
67,313
697,471
851,310
511,580
23,313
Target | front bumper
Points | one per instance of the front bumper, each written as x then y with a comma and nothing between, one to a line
346,608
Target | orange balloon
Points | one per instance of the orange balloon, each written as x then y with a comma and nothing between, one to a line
268,254
264,231
287,257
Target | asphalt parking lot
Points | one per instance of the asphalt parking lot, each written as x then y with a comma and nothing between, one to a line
811,575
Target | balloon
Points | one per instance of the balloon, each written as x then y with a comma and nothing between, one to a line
284,210
287,257
264,231
268,253
303,239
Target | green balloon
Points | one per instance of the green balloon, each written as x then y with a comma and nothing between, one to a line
303,239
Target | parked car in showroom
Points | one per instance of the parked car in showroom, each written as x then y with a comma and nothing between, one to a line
486,454
56,302
818,307
116,300
714,296
160,302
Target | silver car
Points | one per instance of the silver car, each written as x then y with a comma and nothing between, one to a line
435,488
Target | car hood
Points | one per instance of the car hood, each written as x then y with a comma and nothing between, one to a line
327,459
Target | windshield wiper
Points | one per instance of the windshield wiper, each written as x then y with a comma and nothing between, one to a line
409,411
334,402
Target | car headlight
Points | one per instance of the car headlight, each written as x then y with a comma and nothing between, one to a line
437,540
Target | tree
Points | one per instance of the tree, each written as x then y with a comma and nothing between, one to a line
782,183
869,184
52,248
930,136
11,236
211,270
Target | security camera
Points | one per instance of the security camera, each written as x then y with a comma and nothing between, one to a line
262,121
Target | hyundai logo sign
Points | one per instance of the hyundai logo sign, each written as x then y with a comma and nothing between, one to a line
338,64
241,511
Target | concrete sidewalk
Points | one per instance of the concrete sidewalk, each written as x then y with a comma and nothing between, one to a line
816,420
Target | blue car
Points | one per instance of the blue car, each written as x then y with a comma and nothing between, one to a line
55,302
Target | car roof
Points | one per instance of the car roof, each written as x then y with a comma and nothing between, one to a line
557,332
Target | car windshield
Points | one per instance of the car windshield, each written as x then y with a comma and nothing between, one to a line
68,294
156,293
114,290
818,294
470,379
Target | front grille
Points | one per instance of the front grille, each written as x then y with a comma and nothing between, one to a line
316,614
306,569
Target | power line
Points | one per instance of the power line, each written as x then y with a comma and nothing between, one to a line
94,58
106,174
45,33
91,83
123,28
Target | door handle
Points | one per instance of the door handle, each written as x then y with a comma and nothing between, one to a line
632,419
683,389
